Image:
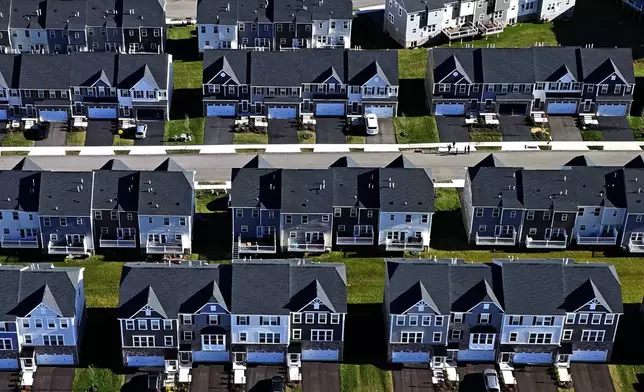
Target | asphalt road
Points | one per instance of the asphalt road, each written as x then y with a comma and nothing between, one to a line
217,166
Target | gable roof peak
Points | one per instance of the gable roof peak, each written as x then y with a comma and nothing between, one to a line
27,164
169,165
401,161
115,164
490,161
580,160
258,162
345,162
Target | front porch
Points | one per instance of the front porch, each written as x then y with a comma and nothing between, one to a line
361,236
636,243
463,31
606,236
117,241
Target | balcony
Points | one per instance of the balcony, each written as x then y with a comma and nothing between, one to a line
552,242
636,245
605,237
491,27
314,246
466,30
414,244
506,239
67,247
365,239
267,244
167,247
107,241
19,242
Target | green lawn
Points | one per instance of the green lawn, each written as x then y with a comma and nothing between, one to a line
412,63
416,129
250,138
592,136
486,136
192,126
639,67
104,379
75,138
181,32
204,201
637,125
187,74
118,141
16,139
519,36
365,378
306,137
353,139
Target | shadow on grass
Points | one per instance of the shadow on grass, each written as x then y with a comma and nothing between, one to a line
184,49
629,342
186,101
448,232
366,32
101,340
211,238
413,102
365,346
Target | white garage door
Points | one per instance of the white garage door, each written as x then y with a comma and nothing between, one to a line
320,355
62,359
140,361
532,358
266,358
221,110
53,115
282,112
210,356
562,108
329,109
3,114
101,113
380,111
450,109
476,355
611,110
409,357
8,364
589,356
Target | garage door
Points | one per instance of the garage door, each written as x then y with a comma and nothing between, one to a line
409,357
282,112
329,109
140,361
476,355
101,113
611,110
210,356
150,114
589,356
380,111
46,359
53,115
532,358
320,355
450,109
266,358
8,364
562,108
3,114
221,110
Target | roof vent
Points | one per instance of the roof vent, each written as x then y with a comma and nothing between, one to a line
601,194
131,11
639,190
566,192
228,7
564,178
156,205
81,180
78,189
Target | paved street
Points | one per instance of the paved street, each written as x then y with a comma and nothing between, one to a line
320,377
212,167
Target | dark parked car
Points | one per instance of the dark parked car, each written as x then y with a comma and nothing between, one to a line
41,132
277,384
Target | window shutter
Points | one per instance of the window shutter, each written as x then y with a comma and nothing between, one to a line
261,320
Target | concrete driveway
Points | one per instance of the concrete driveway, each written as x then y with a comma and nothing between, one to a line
615,129
56,138
472,377
386,133
211,378
564,129
413,378
282,131
535,379
452,129
53,379
515,129
329,130
592,377
100,132
9,381
258,378
320,377
155,136
219,130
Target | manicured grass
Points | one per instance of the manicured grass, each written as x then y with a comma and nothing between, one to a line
353,139
592,136
446,199
306,137
103,379
192,126
519,36
204,203
412,63
119,141
639,67
16,139
486,136
625,376
365,378
250,138
181,32
416,129
637,125
187,74
75,138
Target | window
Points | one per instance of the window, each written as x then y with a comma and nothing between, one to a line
583,318
438,321
592,336
309,318
437,337
269,338
411,337
26,323
484,318
325,218
270,320
143,324
337,212
426,321
243,228
239,213
28,339
513,337
322,317
46,221
570,318
182,221
457,318
38,322
610,319
186,319
546,215
168,341
530,215
353,213
79,221
335,319
544,320
413,321
129,325
167,324
53,340
423,219
305,219
540,338
297,334
564,217
407,218
456,334
166,221
187,335
288,219
242,320
5,344
567,334
479,212
271,214
63,222
597,319
483,340
400,320
482,228
297,318
143,341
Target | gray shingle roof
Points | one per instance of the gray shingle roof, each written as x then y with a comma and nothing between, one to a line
257,188
89,67
365,64
172,289
143,13
421,5
43,71
546,189
66,14
406,190
233,64
224,12
600,63
116,190
301,11
277,287
25,14
101,13
633,180
150,67
20,190
65,193
307,191
9,70
505,65
356,187
165,193
5,12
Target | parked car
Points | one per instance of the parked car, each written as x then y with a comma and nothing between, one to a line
42,131
141,131
277,384
491,380
371,124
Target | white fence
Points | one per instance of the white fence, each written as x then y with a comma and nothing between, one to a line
226,185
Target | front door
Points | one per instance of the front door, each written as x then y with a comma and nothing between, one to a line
563,359
497,231
506,357
548,234
294,359
76,238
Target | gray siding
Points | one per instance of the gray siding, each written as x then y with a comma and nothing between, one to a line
74,226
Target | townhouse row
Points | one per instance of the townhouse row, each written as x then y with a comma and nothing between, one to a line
536,81
332,82
415,23
274,25
344,206
66,26
74,212
84,86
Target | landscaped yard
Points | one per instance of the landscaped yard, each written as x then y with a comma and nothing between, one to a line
250,138
416,129
102,379
637,125
181,32
16,139
519,36
189,126
187,74
306,137
639,67
485,135
365,378
592,135
354,139
75,138
119,141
